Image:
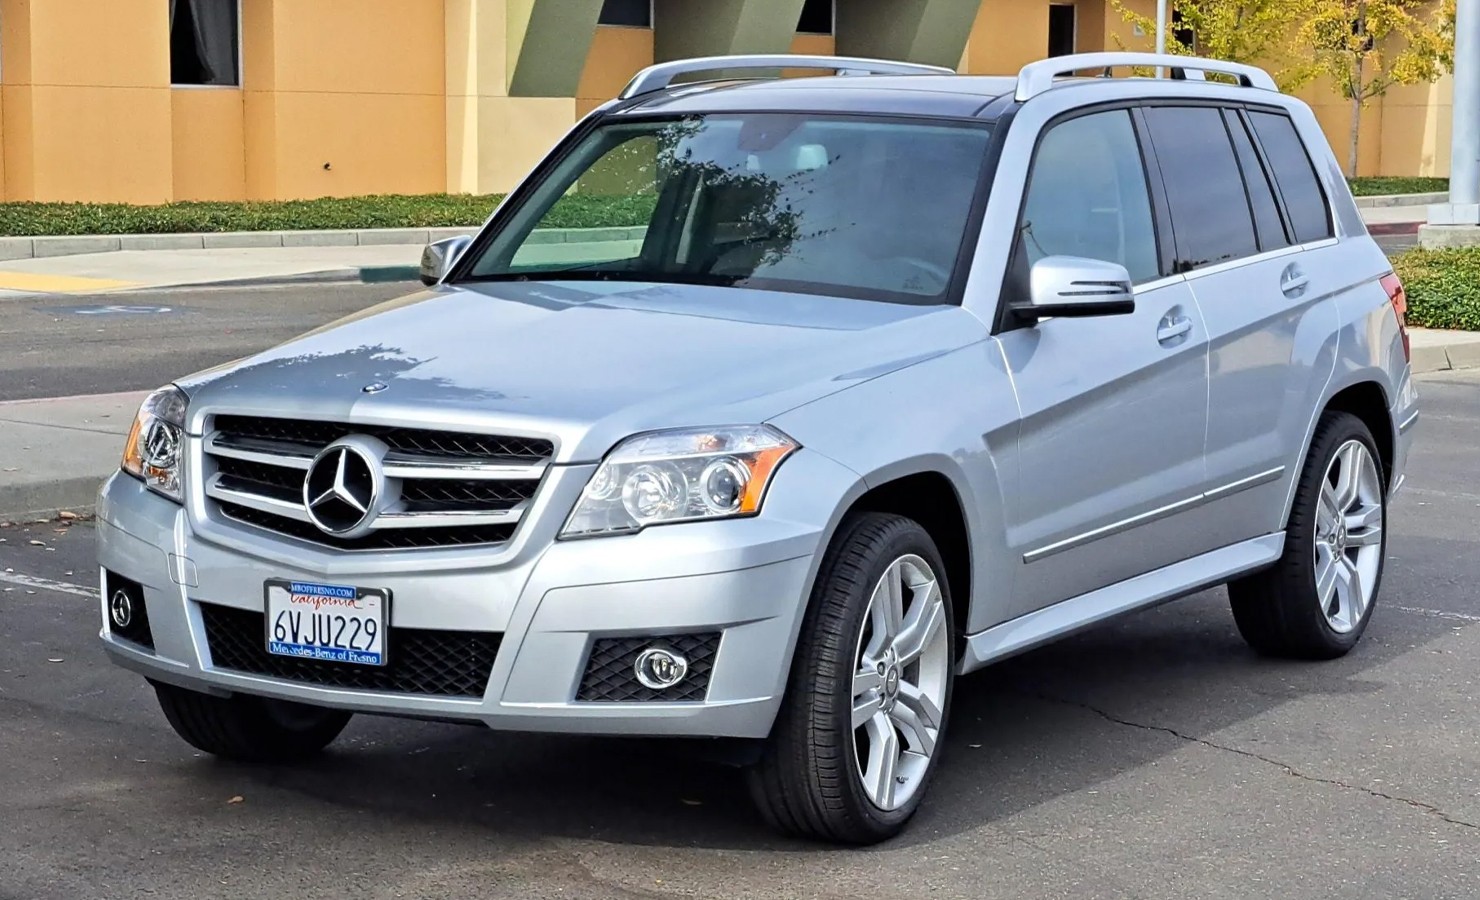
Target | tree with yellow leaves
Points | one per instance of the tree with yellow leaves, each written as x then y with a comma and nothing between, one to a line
1366,46
1256,32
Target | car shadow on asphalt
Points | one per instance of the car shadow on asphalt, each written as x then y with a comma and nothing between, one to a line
1049,723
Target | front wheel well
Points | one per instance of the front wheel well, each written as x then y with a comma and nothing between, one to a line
930,499
1367,402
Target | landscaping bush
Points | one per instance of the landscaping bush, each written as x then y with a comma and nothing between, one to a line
1370,187
1443,287
387,211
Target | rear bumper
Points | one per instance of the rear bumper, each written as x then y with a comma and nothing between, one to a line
746,580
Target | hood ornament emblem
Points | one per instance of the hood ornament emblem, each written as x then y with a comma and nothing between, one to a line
374,387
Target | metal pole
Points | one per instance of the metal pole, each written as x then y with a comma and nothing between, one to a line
1161,30
1464,156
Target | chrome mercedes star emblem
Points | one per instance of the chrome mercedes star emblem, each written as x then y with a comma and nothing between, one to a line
342,488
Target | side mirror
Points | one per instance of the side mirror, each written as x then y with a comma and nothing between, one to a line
438,257
1075,286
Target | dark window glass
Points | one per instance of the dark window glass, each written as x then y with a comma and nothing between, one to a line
1210,212
1087,196
204,36
1305,202
817,17
1060,29
636,13
835,205
1261,193
1185,36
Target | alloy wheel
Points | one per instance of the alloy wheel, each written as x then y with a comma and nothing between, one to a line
1348,536
901,673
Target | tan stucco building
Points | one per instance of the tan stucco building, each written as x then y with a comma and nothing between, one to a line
148,101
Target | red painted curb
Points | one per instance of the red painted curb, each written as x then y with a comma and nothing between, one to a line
1389,228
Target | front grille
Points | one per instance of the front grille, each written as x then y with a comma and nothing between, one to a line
448,489
411,441
385,539
418,661
609,675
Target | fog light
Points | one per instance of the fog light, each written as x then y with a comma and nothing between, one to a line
121,609
659,668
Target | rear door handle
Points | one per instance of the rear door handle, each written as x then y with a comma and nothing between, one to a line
1170,330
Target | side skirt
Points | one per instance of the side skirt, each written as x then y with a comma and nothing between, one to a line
1077,613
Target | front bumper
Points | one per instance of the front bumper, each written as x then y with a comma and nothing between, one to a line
549,601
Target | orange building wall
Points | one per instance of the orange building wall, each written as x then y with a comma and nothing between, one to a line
88,110
344,97
616,55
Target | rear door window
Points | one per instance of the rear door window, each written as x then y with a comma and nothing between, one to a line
1305,202
1262,200
1204,188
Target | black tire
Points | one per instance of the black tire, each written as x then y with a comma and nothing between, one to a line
806,783
249,729
1277,610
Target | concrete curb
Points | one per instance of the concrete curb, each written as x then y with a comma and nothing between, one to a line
347,275
1445,358
40,247
1385,200
23,503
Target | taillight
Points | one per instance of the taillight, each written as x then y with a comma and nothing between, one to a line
1399,299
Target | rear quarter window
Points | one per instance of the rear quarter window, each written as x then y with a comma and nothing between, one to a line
1305,202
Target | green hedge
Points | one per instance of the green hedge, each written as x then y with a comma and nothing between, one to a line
387,211
1370,187
1443,287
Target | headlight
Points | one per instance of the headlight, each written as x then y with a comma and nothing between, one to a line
679,476
156,443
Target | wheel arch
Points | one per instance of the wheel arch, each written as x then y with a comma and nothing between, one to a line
1367,400
927,495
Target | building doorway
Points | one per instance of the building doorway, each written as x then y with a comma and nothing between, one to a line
1062,23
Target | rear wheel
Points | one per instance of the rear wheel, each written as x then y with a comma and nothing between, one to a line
1316,601
859,732
250,729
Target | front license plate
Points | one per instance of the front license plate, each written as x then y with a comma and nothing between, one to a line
328,622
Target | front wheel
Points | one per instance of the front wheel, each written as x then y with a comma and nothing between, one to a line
1316,601
860,730
249,729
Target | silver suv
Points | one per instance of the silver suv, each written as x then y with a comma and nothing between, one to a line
872,381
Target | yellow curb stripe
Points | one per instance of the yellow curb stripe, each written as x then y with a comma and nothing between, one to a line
58,284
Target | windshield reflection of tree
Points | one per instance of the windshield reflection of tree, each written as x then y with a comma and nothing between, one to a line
734,208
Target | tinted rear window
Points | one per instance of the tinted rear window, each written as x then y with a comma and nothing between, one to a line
1261,193
1210,211
1305,202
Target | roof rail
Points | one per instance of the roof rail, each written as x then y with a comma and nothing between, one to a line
1037,77
656,78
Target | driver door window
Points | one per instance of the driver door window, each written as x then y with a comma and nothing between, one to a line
1087,196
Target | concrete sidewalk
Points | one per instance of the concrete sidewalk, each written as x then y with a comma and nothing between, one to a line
55,453
95,273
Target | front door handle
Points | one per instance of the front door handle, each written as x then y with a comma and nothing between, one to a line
1172,329
1293,281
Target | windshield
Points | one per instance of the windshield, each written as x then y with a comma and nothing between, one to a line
845,206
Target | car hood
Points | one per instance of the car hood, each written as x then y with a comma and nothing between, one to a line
581,362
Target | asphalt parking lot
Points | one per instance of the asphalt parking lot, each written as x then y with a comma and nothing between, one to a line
1155,757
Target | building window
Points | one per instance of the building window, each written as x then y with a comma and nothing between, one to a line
631,13
1061,25
205,39
1183,35
817,17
